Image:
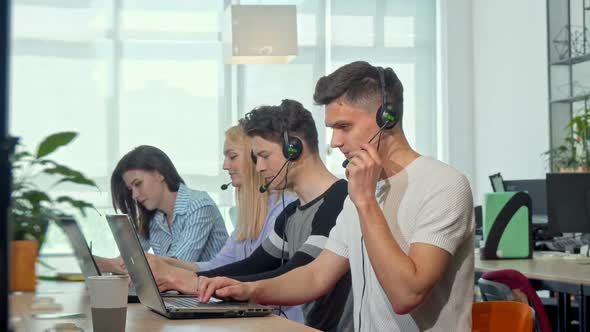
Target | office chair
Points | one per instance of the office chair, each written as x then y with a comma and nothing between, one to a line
497,291
494,291
501,316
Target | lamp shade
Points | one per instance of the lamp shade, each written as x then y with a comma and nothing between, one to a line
260,34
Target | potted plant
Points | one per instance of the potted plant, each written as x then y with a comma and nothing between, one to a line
580,126
564,158
574,154
32,206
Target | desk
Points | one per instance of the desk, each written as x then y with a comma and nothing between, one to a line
74,298
551,271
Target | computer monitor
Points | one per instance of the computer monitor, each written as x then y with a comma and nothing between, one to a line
568,202
497,182
537,191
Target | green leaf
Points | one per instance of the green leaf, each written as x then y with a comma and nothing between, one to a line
62,170
70,175
20,155
81,180
44,162
80,205
35,197
53,142
31,208
45,264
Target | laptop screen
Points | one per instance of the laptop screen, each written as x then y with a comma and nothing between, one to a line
497,182
80,246
137,264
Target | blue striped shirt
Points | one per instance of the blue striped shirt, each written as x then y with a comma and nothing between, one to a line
197,232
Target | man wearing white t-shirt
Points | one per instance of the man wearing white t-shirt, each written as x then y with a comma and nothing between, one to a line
405,231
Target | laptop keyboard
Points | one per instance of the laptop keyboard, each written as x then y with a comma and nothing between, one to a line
187,302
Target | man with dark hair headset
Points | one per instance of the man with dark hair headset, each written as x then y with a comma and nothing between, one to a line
405,231
285,149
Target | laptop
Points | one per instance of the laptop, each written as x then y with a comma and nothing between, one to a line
497,182
169,305
82,252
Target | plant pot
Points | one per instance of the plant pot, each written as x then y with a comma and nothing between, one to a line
567,170
23,255
579,169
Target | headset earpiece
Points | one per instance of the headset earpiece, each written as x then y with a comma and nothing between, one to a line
253,157
292,147
388,115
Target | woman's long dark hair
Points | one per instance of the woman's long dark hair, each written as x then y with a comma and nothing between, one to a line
145,158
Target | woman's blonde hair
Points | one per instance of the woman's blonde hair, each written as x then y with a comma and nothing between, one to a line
252,205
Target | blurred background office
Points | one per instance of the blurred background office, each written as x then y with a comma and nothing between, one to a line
127,72
130,72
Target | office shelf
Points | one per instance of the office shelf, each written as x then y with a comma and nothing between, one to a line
571,99
567,34
572,61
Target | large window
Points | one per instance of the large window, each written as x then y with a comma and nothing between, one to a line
122,74
129,72
394,33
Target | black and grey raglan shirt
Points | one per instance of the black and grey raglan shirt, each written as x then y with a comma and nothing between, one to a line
299,236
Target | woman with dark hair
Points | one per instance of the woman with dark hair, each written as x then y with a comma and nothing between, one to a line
170,218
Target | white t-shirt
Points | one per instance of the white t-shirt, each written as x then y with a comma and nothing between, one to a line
428,202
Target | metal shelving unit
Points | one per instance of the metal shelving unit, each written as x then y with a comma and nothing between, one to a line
568,52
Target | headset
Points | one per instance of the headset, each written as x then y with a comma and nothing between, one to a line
390,111
254,160
387,117
389,114
292,148
253,157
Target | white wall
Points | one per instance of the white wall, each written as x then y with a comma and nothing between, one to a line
456,115
509,95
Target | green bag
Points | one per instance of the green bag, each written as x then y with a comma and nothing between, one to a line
507,226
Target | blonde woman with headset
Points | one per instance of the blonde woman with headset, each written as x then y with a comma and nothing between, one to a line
256,211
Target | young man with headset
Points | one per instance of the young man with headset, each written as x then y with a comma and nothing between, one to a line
285,149
405,231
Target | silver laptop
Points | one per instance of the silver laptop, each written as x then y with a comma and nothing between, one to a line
168,305
82,252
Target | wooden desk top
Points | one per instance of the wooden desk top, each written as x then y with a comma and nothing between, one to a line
544,266
74,298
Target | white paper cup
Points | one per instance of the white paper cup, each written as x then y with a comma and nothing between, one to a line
108,301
